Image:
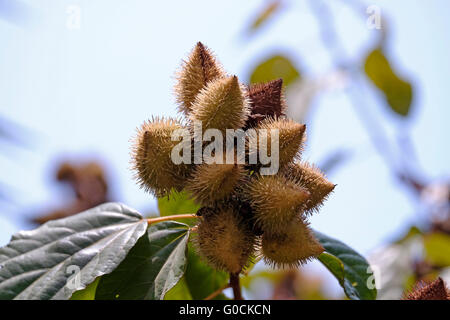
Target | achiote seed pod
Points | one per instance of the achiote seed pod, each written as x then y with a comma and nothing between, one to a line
275,201
266,101
221,105
200,68
252,192
436,290
292,247
291,137
224,241
151,157
214,182
313,180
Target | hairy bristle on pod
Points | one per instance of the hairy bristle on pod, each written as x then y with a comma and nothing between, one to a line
291,248
435,290
224,241
213,182
200,68
151,157
266,100
275,201
311,178
291,137
221,105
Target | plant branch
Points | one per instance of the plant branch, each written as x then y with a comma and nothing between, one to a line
172,217
234,283
378,137
217,292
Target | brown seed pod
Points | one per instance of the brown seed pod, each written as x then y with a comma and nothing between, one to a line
291,248
214,182
266,101
275,201
151,157
221,105
224,241
313,180
435,290
291,137
200,68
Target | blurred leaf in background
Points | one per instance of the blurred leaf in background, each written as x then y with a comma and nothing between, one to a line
437,249
89,185
398,92
276,67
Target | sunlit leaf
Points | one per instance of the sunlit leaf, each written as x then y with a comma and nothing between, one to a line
201,279
179,292
153,267
87,293
63,256
411,233
178,203
437,249
350,268
398,92
275,67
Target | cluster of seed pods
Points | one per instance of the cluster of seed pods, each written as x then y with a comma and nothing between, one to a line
244,213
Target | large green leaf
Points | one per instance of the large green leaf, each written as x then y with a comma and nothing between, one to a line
350,268
397,91
275,67
201,279
64,256
152,267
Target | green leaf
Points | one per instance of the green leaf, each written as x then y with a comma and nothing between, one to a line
201,279
412,232
179,292
87,293
65,255
437,249
350,268
277,66
153,266
178,203
398,92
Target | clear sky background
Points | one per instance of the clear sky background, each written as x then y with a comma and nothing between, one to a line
81,93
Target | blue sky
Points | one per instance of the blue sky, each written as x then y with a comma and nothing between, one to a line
83,92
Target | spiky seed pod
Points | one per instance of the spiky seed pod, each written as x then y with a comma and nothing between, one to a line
291,137
151,157
222,104
435,290
295,246
266,100
311,178
275,201
200,68
224,241
214,182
